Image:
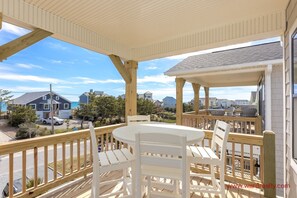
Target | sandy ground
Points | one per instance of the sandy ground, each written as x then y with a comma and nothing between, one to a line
7,130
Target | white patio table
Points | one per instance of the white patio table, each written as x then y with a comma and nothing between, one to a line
126,134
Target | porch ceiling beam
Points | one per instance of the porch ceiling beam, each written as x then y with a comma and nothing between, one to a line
22,42
116,60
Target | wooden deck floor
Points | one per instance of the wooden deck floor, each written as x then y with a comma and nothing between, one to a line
82,189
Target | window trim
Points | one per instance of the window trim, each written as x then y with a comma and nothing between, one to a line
293,96
32,104
44,97
57,98
67,106
45,105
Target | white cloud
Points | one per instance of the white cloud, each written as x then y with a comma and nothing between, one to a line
56,46
152,67
156,79
28,66
14,29
19,77
56,61
86,80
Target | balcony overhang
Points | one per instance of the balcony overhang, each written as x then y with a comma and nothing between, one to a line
144,30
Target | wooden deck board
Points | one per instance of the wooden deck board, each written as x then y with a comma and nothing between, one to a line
82,189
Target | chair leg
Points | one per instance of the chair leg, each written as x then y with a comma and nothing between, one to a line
222,182
95,187
213,177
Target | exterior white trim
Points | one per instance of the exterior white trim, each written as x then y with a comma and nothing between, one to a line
254,27
268,111
250,66
46,108
67,105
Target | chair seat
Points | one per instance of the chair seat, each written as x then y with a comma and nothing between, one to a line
115,159
204,155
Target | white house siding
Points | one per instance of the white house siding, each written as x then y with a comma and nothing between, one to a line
64,114
290,174
277,122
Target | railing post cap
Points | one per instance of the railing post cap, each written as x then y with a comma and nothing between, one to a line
268,132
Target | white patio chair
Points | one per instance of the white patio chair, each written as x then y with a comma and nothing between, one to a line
106,161
138,119
162,156
206,155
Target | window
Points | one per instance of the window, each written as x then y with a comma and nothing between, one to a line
33,106
44,98
66,106
294,93
46,106
57,97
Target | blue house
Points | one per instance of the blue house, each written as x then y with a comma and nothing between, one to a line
41,102
85,97
169,102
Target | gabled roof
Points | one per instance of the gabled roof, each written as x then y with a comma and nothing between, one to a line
239,56
29,97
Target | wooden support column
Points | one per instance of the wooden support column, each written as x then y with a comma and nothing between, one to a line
22,42
131,88
269,164
180,82
1,20
116,60
196,88
206,90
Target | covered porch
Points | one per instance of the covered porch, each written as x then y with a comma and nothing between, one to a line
130,32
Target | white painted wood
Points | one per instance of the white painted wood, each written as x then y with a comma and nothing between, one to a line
138,119
162,163
206,155
126,134
268,98
99,26
104,162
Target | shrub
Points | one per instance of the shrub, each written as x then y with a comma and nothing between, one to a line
30,182
26,130
20,115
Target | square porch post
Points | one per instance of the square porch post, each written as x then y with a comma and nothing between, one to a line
180,82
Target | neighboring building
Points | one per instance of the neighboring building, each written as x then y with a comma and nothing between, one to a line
147,96
225,103
41,102
169,102
213,102
85,97
242,102
158,103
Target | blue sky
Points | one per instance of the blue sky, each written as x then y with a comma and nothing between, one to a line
73,70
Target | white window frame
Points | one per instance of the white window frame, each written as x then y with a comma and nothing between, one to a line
293,140
57,98
44,97
44,105
32,105
67,105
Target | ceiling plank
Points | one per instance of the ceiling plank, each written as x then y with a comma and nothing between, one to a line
116,60
22,42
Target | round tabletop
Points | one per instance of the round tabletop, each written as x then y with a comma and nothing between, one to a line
126,134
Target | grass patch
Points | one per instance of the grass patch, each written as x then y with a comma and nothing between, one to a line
68,164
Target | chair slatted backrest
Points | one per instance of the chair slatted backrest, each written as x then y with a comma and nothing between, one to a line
219,137
160,149
94,146
138,119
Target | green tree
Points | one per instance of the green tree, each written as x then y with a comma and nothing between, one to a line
106,106
20,115
145,107
85,112
120,110
5,96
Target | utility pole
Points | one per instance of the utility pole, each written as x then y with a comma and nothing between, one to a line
52,112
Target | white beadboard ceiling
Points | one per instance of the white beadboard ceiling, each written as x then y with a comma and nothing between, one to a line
149,29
